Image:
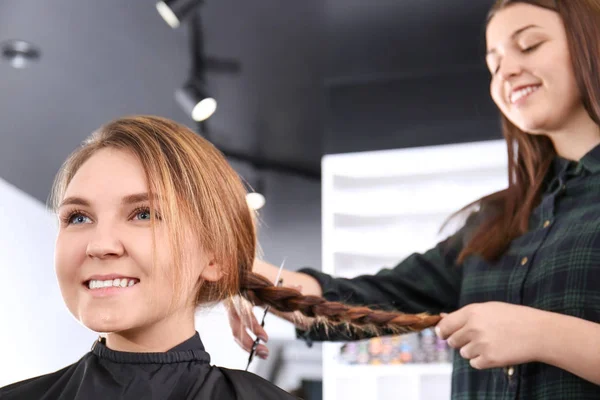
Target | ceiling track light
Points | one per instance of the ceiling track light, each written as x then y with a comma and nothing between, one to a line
195,102
255,195
193,97
175,11
255,200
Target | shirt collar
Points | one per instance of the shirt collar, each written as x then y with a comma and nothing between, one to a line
591,161
193,343
190,350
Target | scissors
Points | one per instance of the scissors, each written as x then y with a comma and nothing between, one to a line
278,282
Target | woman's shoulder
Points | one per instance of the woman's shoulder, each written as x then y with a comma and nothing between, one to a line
35,388
248,386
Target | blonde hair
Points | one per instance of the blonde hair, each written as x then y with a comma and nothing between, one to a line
195,183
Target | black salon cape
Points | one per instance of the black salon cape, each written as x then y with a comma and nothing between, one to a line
183,372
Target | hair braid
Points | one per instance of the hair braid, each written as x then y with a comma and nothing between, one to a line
260,291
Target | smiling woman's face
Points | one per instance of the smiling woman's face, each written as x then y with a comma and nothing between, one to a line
104,257
533,83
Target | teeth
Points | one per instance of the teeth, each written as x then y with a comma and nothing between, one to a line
519,94
95,284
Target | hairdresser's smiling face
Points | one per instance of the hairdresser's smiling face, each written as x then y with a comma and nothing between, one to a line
105,234
533,83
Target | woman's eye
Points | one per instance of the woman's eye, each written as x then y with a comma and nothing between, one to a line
77,219
143,215
532,48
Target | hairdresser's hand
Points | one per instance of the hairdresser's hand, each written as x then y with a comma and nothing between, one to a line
239,329
493,334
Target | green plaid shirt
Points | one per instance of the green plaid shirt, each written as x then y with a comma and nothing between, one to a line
555,266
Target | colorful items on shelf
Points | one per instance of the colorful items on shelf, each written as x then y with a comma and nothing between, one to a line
422,347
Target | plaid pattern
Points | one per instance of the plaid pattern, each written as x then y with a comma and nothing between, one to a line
555,266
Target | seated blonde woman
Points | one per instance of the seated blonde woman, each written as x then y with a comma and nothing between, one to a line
154,223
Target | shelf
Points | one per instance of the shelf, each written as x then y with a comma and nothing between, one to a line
382,250
448,175
369,371
377,216
374,254
381,210
380,207
419,161
365,257
352,265
394,202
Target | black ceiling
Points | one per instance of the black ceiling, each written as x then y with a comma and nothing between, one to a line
317,77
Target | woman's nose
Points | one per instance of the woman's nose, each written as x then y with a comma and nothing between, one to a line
104,243
510,67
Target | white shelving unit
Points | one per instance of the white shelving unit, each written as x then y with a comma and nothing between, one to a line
378,208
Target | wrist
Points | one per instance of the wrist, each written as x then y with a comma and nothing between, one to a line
544,326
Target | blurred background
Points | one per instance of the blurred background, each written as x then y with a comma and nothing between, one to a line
291,82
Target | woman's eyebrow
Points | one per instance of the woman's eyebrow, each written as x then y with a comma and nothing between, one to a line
74,200
137,198
130,199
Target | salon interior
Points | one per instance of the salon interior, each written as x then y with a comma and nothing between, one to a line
340,115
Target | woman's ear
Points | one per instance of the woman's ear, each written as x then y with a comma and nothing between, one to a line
212,272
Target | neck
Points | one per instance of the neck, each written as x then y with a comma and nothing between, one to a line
155,338
577,139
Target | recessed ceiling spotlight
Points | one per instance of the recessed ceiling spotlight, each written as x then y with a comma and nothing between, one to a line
19,53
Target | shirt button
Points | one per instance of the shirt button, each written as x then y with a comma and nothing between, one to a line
510,371
547,224
524,260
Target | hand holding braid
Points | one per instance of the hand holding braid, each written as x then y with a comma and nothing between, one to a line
260,291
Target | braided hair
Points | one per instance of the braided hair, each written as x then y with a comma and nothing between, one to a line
314,309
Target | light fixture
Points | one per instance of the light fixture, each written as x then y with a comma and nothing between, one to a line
19,54
175,11
255,200
194,101
255,195
193,97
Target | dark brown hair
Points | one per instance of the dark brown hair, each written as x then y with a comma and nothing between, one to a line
530,156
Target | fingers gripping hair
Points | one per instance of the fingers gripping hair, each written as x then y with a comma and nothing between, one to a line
260,291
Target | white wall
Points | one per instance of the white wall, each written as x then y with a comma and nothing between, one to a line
38,335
